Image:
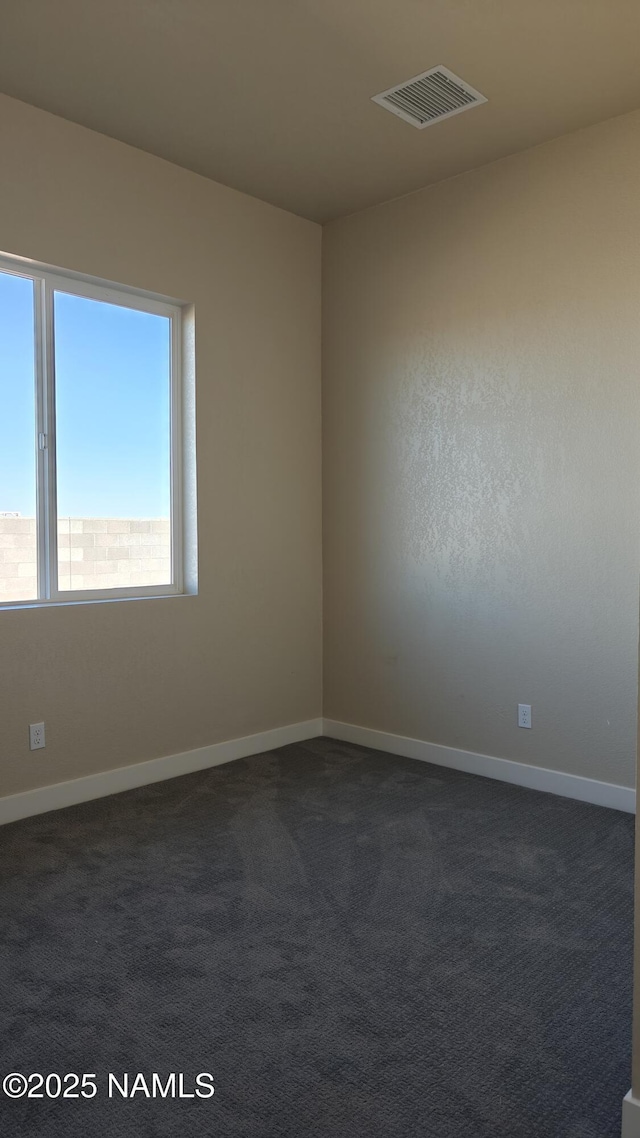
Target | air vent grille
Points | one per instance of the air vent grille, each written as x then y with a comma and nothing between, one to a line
427,98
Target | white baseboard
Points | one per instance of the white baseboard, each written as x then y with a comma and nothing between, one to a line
15,806
536,778
630,1116
61,794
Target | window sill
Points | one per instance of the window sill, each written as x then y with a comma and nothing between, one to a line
13,606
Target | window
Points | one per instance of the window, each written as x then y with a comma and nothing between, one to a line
90,440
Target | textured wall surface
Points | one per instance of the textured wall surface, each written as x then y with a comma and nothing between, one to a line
120,682
482,461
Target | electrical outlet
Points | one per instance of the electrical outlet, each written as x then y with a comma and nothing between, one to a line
36,736
524,715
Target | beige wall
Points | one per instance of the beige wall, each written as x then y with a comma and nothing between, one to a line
121,682
482,458
482,472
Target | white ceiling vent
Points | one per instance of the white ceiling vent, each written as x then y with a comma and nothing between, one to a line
427,98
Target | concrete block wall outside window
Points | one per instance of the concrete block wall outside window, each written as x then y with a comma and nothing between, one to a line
93,553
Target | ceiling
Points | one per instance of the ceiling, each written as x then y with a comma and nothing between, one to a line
273,97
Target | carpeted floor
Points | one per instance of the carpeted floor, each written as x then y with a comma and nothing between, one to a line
354,945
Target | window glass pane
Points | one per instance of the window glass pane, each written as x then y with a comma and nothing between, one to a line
18,537
113,368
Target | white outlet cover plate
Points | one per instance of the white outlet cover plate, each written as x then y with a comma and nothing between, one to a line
524,715
36,736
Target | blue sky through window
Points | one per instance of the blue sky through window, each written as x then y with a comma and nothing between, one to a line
112,406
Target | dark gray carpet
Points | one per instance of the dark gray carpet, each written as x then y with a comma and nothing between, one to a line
353,944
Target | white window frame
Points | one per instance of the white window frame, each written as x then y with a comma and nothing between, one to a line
47,281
